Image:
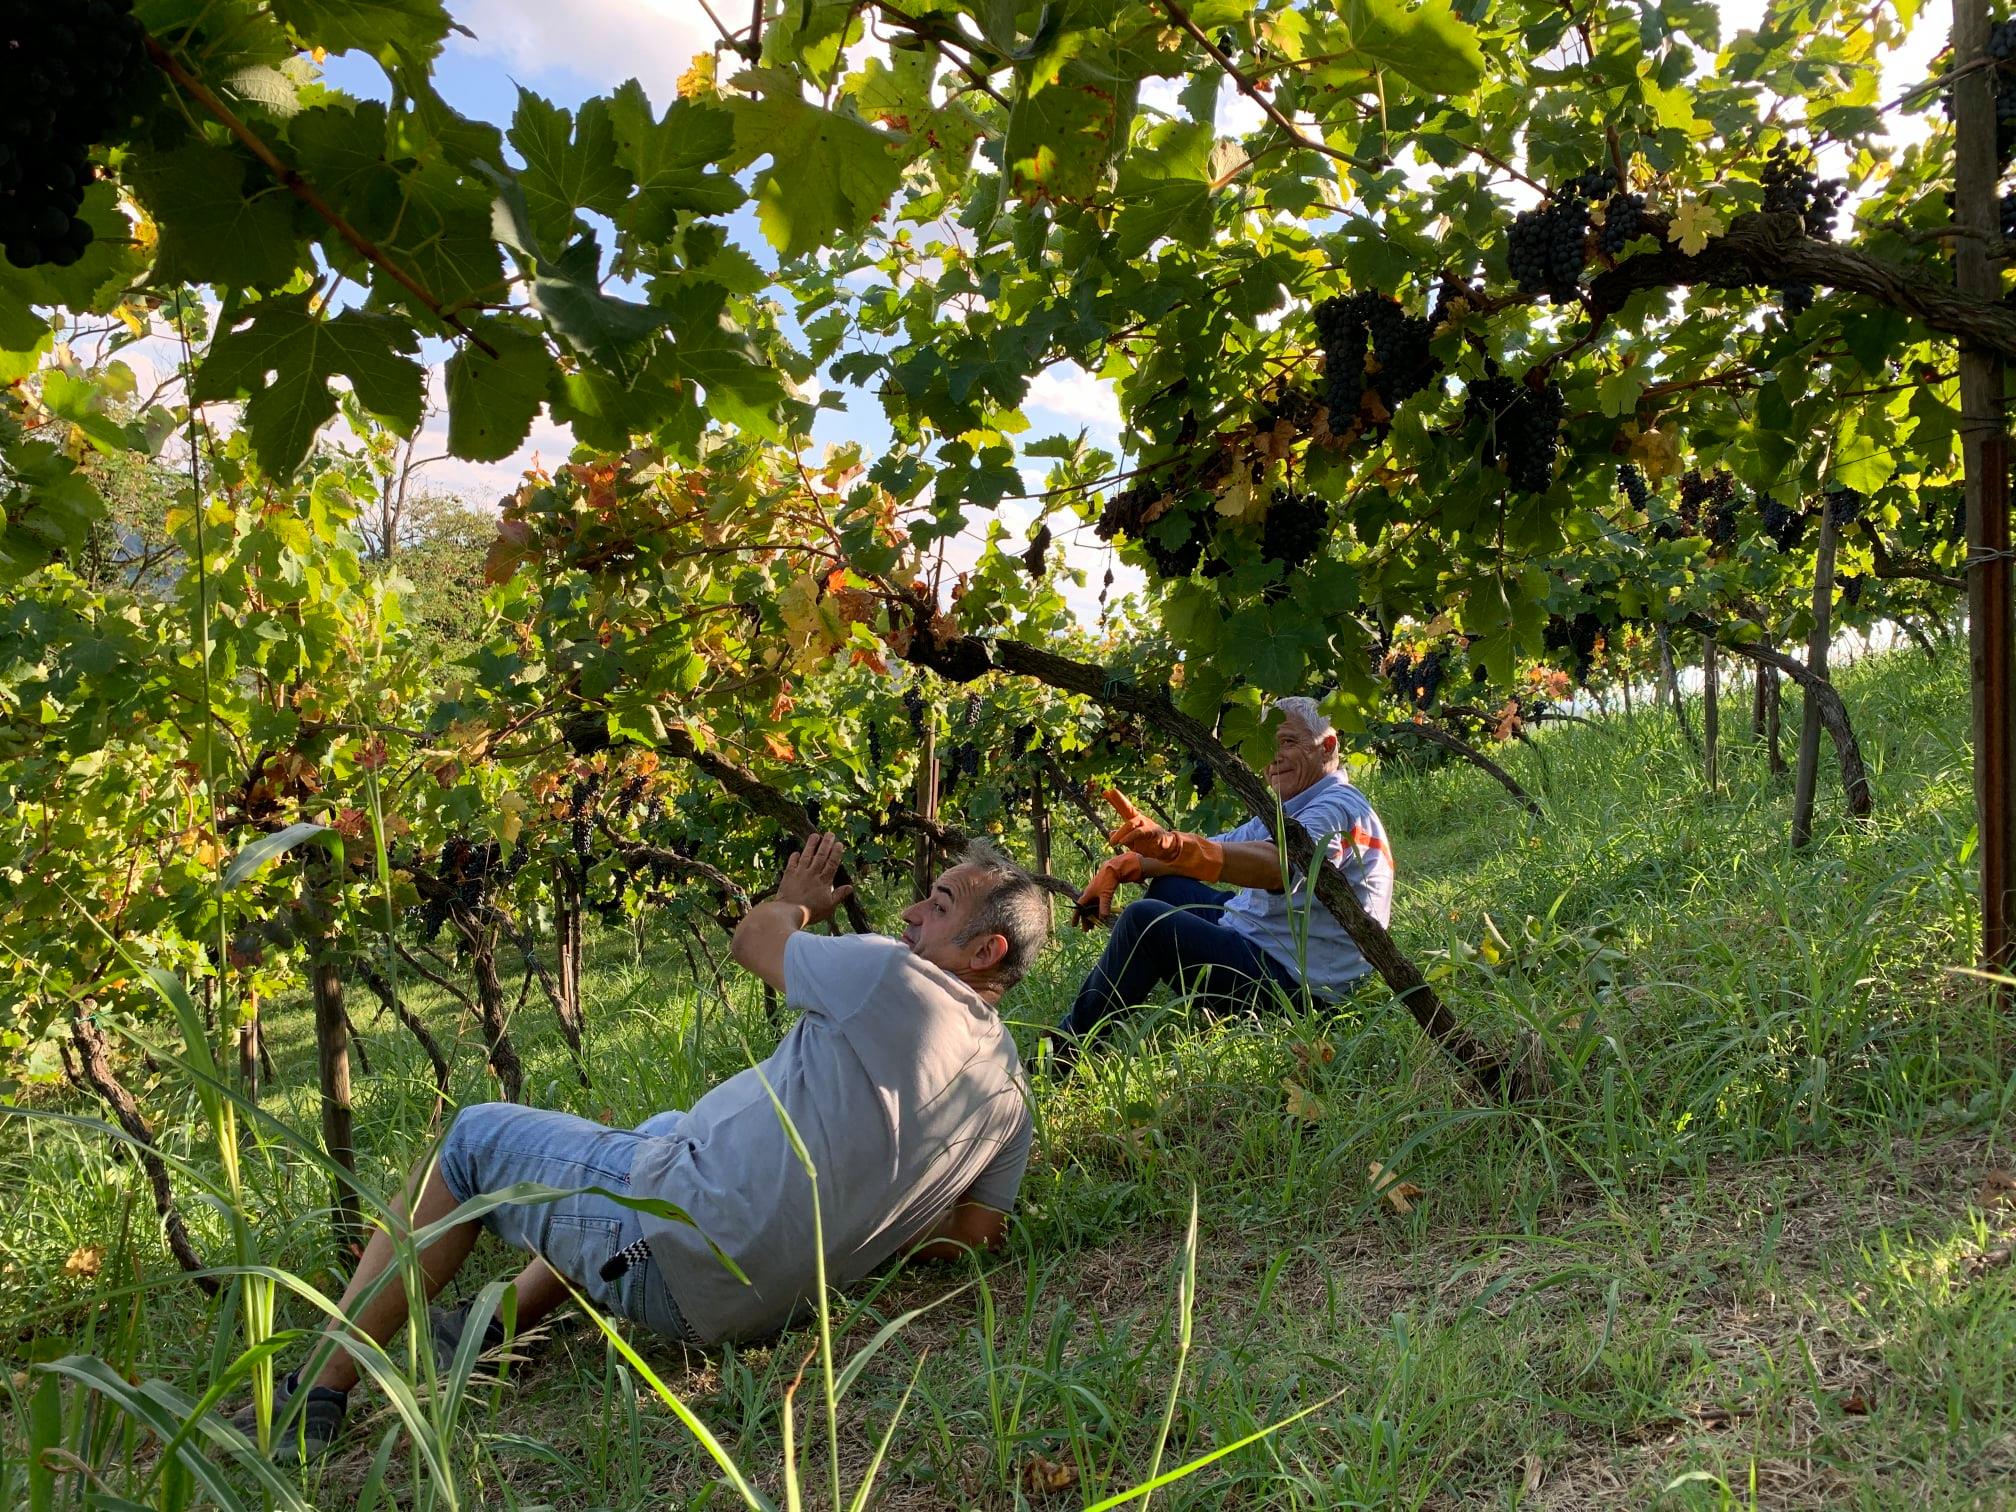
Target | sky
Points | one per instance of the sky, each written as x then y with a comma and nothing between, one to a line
567,50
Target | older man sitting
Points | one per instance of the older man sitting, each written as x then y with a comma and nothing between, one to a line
1239,946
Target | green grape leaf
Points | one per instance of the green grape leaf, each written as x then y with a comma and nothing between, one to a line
492,401
1063,136
570,164
741,387
829,173
410,28
1425,44
280,355
1164,188
210,230
672,161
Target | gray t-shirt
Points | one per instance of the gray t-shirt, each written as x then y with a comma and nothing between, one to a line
909,1097
1290,926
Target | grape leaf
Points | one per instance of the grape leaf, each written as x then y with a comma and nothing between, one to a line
414,28
671,160
492,401
829,173
1425,45
567,289
280,355
741,387
570,164
1062,137
210,232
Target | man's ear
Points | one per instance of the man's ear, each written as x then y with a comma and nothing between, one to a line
989,952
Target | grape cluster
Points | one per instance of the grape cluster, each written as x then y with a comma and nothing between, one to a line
1202,779
1022,738
875,742
1039,548
1708,506
1127,512
1851,590
626,798
1844,506
913,709
1340,331
1632,481
1298,406
580,805
1783,527
1416,680
68,73
1623,221
1792,187
1576,640
1548,247
1294,528
1399,348
1522,427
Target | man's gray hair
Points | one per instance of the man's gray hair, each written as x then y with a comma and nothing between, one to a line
1013,905
1307,713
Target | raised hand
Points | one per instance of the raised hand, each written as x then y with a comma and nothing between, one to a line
808,878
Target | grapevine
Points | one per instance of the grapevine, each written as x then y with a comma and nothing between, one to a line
1522,427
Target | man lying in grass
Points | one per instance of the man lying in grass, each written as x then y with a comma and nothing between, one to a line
1238,947
898,1076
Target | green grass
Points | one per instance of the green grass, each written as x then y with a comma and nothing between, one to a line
1735,1258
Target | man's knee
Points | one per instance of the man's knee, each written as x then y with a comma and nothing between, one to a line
475,1128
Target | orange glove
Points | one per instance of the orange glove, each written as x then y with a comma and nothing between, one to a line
1095,904
1184,854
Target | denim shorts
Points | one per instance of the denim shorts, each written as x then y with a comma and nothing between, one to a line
495,1145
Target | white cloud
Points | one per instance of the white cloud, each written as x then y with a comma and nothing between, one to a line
603,41
1068,392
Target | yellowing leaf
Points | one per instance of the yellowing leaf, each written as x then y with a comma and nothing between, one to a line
1042,1477
1302,1103
1400,1195
1239,499
1657,452
1694,227
85,1261
699,82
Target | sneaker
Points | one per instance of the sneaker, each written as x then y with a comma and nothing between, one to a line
315,1427
448,1324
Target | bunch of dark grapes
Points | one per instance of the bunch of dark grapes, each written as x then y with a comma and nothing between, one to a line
1297,406
970,714
1023,736
626,799
1708,505
1522,427
1340,331
1126,513
580,803
1791,187
1783,527
1417,681
1548,248
1294,528
1623,221
68,76
875,742
1576,639
1851,590
1400,347
913,709
1202,779
1632,482
1039,548
1844,506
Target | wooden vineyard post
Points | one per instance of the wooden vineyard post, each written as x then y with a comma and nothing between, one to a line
927,802
1039,815
1984,448
332,1063
1711,708
1808,773
248,1048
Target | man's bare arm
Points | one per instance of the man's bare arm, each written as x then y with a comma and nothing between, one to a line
805,895
969,1226
758,945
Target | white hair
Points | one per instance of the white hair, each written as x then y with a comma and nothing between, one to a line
1305,712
